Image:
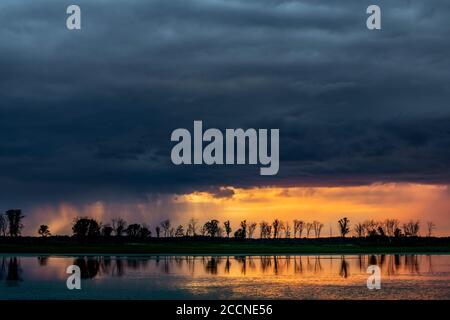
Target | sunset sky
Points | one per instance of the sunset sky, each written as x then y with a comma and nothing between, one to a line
86,116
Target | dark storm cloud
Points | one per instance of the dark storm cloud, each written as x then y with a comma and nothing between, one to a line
88,114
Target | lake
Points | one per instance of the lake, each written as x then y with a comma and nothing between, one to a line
226,277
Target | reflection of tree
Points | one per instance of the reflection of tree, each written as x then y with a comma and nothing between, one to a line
317,265
391,267
119,268
227,265
251,263
275,264
243,262
211,265
266,263
397,261
360,262
14,272
344,272
89,267
412,263
372,260
166,266
298,266
430,264
42,261
382,260
105,264
2,268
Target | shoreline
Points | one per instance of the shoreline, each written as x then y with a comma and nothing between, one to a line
220,247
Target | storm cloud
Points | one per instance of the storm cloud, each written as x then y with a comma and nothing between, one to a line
87,115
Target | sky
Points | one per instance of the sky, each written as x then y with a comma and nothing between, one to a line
86,115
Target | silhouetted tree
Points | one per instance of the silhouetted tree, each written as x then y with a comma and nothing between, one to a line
287,230
344,226
212,227
144,232
317,226
227,226
391,225
119,225
165,225
133,230
298,228
265,230
381,231
179,232
44,231
85,228
430,227
158,231
411,228
371,228
106,231
398,233
251,229
241,233
3,225
15,217
192,227
277,225
360,229
309,227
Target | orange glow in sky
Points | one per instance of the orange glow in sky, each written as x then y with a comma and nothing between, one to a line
329,204
402,201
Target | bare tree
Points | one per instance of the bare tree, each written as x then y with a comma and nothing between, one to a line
192,227
430,227
298,228
265,230
391,225
158,231
411,228
165,225
179,232
309,227
360,229
119,225
344,226
227,226
14,217
317,226
277,225
287,230
251,227
371,227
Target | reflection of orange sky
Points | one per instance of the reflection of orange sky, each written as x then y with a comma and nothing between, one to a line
325,204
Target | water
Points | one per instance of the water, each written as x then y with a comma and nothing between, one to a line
226,277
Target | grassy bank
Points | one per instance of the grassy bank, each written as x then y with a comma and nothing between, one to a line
58,245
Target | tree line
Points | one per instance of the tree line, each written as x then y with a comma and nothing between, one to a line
85,227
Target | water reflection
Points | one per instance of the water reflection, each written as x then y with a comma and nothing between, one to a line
283,271
92,266
10,271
